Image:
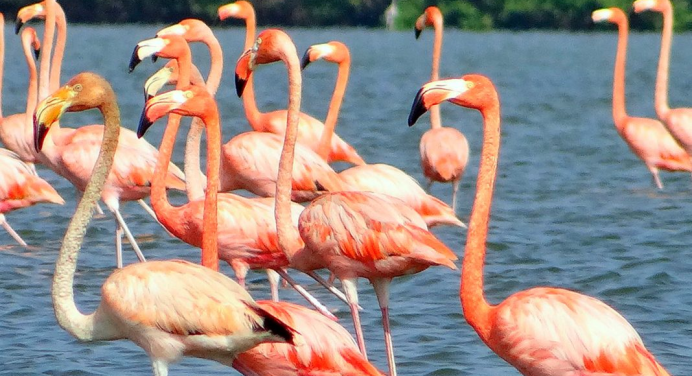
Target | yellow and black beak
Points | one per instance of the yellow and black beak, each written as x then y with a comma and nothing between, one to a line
49,111
243,70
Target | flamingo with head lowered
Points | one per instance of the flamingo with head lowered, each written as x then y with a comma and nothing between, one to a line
543,331
169,308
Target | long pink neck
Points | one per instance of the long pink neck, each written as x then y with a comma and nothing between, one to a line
47,45
619,108
476,307
33,84
2,56
334,107
438,26
661,95
56,61
251,110
210,250
283,182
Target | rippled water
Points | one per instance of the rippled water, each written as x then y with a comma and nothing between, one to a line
573,208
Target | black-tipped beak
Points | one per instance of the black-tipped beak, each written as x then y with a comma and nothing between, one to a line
154,58
134,60
305,60
40,132
18,26
417,31
417,109
240,85
144,123
37,53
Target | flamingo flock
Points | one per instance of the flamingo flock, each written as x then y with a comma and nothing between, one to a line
369,221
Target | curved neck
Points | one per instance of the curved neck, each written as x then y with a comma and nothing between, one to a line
438,26
334,107
249,104
47,46
56,61
2,56
216,69
165,212
476,307
31,90
210,253
84,327
282,210
661,95
619,109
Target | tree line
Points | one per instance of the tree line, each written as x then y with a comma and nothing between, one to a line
463,14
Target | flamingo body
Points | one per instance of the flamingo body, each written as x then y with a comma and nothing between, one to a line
20,187
444,154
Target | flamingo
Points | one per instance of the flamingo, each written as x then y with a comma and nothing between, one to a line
647,138
250,160
21,187
353,234
169,308
542,331
323,348
677,120
246,231
379,177
310,129
16,128
444,151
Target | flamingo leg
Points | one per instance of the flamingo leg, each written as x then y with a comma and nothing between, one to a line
99,211
329,286
657,179
240,269
128,234
118,246
11,231
428,186
381,286
273,278
160,367
351,289
311,299
455,189
149,210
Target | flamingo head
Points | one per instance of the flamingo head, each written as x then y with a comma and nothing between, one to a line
270,46
193,100
192,29
653,5
168,75
169,47
430,17
333,52
614,15
238,9
28,13
70,98
29,37
472,91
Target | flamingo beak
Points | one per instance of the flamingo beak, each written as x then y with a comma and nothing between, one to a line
158,107
228,10
145,49
156,82
18,25
243,70
643,5
420,25
27,13
434,93
306,59
49,111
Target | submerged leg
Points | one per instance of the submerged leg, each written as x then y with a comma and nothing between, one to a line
382,291
351,289
455,189
657,180
128,234
11,231
329,286
160,367
427,186
311,299
118,245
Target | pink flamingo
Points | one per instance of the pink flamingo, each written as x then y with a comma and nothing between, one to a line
323,348
380,178
444,151
246,231
542,331
17,128
647,138
353,234
310,129
169,308
677,120
20,187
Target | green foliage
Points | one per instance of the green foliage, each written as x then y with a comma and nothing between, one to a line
464,14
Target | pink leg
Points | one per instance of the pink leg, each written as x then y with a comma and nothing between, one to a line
351,291
240,269
273,278
382,291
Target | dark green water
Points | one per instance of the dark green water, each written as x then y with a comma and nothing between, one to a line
573,207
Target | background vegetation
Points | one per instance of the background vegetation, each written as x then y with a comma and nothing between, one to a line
465,14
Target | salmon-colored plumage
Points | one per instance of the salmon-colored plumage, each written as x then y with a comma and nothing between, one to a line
647,138
542,331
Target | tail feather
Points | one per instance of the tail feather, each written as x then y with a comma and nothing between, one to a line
274,326
436,212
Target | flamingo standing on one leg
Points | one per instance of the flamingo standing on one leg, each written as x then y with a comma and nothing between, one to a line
310,129
379,177
20,187
323,347
353,234
677,120
444,151
647,138
169,308
542,331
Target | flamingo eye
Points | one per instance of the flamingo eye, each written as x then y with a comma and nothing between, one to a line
189,94
77,87
470,84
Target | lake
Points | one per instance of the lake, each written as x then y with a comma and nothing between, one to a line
573,208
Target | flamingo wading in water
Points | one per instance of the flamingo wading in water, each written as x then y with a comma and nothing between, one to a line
543,331
647,138
353,234
169,308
